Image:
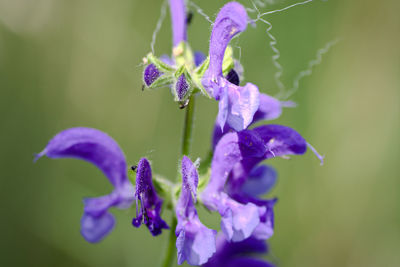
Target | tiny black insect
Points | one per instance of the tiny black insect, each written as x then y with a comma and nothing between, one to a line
133,167
189,17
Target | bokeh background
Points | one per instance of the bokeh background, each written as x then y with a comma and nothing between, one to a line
66,63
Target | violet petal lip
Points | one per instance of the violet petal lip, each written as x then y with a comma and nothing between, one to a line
195,242
238,254
98,148
238,105
236,154
269,108
178,17
150,203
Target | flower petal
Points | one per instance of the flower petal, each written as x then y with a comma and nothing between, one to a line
243,103
260,181
101,150
281,140
94,229
231,149
178,17
231,20
190,177
232,254
249,262
270,108
199,58
195,242
93,146
238,221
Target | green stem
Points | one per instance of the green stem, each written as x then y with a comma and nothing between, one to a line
170,253
188,127
169,258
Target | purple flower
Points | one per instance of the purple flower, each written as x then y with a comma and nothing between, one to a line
238,254
235,156
150,203
237,104
195,242
101,150
178,16
269,109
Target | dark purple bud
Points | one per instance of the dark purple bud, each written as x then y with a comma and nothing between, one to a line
233,77
151,73
181,87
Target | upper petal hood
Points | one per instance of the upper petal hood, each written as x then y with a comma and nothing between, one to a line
101,150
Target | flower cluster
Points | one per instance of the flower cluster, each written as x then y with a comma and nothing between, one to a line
234,179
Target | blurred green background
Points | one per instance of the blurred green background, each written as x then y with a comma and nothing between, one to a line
66,63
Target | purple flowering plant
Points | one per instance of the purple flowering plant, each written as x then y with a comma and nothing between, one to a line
230,181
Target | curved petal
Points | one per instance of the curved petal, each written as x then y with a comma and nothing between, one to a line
178,17
231,149
93,146
231,20
281,140
101,150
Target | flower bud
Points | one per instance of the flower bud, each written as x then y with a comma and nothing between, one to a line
181,87
151,73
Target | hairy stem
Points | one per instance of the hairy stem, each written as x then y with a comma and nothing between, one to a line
186,144
188,127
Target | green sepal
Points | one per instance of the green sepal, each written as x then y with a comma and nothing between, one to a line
183,55
205,163
132,176
228,62
163,186
179,71
162,66
200,70
163,80
203,181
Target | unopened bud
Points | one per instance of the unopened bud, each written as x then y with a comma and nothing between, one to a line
151,73
181,87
